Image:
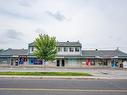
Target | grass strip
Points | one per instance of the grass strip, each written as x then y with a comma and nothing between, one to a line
46,73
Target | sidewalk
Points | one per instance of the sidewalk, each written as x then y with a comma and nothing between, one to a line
97,73
59,77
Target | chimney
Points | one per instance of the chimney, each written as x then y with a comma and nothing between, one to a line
117,48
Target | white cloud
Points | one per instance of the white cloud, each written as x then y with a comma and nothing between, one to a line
25,3
96,23
13,34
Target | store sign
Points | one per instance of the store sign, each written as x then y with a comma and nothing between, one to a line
115,57
98,57
125,64
14,56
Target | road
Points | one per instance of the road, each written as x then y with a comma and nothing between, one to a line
62,87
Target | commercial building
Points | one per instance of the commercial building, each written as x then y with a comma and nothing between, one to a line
70,55
13,57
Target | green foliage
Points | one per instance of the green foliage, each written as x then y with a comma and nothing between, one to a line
1,50
47,73
45,47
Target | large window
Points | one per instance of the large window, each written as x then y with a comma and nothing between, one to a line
76,49
93,62
71,49
103,62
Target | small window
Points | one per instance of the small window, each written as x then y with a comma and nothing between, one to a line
65,49
58,49
71,49
76,49
32,48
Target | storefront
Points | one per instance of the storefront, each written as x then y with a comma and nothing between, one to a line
35,61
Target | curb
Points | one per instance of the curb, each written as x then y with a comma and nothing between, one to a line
58,77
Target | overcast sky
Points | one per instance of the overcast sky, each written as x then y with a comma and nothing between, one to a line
95,23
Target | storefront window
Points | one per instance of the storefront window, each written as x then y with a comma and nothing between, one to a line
103,62
92,62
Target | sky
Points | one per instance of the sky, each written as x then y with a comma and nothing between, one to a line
97,24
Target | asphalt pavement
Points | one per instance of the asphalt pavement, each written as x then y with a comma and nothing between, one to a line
62,87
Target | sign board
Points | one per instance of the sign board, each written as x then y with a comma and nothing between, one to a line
125,64
115,57
15,56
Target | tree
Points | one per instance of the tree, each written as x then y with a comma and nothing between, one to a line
45,48
1,50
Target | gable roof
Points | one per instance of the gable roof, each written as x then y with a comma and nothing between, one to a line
68,44
31,44
103,53
11,52
62,44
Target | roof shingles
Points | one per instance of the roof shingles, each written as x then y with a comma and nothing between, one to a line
62,44
14,52
103,53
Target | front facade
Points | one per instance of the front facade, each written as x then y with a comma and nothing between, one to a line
104,58
68,52
70,55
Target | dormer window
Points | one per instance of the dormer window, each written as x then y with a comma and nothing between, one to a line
65,49
59,49
76,49
32,49
71,49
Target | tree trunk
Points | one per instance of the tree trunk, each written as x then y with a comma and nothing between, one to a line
44,63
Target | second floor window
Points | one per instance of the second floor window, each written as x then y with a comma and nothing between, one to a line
76,49
71,49
32,48
65,49
59,49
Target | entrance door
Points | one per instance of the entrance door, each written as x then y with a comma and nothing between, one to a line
58,63
63,63
12,62
114,63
